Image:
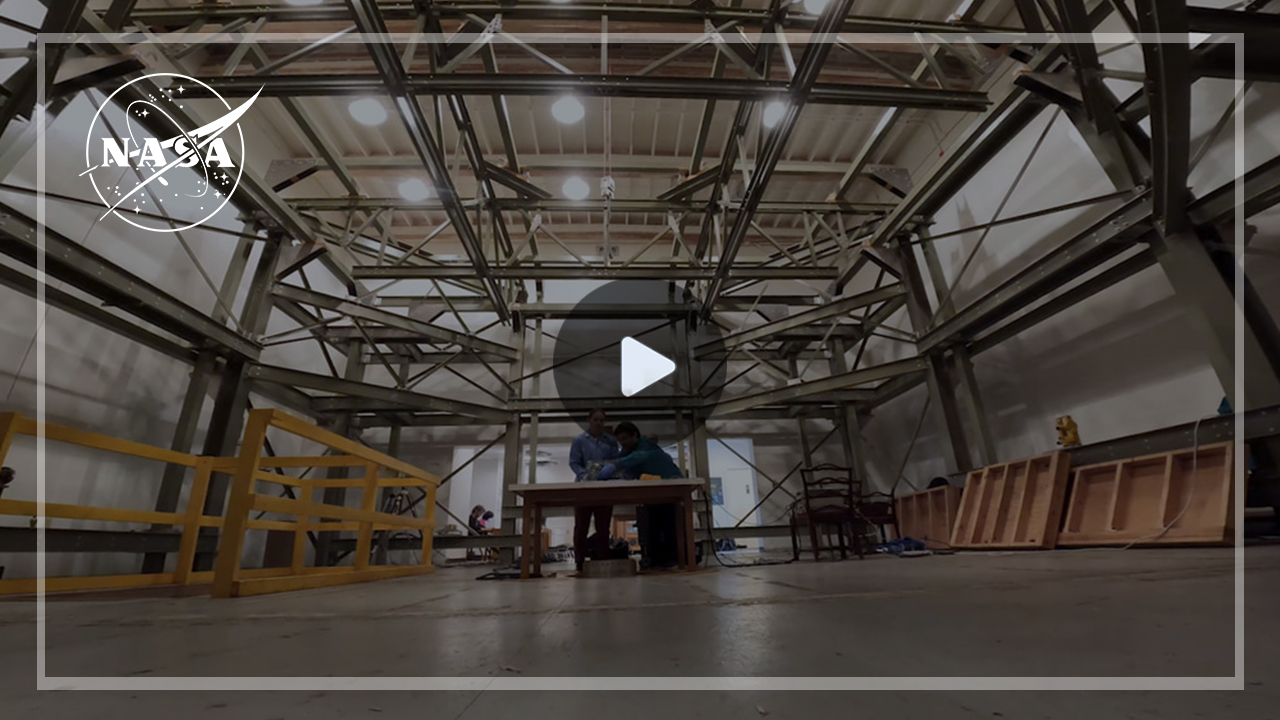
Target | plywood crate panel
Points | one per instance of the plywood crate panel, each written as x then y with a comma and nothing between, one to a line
1015,505
929,515
1134,500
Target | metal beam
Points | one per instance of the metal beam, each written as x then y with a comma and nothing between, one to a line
69,303
1168,88
580,272
823,385
73,263
435,333
395,79
693,14
1261,192
983,141
522,84
836,309
1103,240
798,93
407,399
617,205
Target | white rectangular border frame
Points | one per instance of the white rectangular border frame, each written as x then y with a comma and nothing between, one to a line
526,683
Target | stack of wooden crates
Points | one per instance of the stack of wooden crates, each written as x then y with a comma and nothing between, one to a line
1181,497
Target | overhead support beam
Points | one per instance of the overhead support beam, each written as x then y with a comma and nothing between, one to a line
691,14
1168,88
581,272
71,262
692,184
404,398
55,297
390,319
395,80
983,141
472,84
1103,240
798,93
837,309
1261,192
831,383
616,205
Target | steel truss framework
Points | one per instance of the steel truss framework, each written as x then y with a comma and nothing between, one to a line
805,352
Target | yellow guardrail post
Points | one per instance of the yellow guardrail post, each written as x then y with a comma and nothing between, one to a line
226,571
191,527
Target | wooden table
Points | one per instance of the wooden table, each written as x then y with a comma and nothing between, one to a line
606,492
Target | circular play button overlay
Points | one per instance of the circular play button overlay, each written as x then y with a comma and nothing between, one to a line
630,348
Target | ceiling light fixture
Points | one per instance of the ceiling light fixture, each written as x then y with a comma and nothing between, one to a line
815,7
568,110
368,111
575,188
772,113
414,190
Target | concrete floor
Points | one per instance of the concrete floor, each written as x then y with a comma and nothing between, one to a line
1067,613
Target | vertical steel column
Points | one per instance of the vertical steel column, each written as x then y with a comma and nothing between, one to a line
1210,307
947,414
855,451
985,446
341,425
535,390
393,449
184,435
936,275
511,448
232,400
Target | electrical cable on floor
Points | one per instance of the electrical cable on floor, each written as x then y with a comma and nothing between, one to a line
706,499
1195,457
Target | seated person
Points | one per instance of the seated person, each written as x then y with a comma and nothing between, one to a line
655,524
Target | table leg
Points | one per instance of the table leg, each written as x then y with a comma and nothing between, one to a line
690,539
537,541
526,541
682,537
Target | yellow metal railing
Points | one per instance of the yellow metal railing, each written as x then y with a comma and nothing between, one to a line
228,578
190,520
231,580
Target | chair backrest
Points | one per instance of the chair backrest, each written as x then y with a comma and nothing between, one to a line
829,489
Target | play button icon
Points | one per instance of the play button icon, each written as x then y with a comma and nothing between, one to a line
642,366
631,348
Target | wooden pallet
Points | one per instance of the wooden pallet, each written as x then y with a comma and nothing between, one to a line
1132,501
1015,505
929,516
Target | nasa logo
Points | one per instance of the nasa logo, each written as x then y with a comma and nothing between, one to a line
136,175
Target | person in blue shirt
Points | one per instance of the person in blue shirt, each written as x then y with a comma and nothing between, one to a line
594,445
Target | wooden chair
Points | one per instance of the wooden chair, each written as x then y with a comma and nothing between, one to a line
876,509
829,500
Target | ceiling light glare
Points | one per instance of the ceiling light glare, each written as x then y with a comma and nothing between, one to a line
368,111
815,7
302,3
414,190
773,112
575,188
568,110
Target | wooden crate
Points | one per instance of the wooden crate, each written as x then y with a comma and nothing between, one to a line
929,516
1132,501
1015,505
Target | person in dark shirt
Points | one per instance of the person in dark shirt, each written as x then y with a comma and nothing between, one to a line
476,521
655,524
